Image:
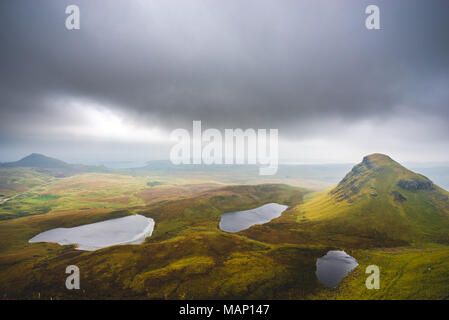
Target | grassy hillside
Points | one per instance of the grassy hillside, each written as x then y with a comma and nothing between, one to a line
408,273
380,213
43,194
380,199
17,180
75,193
186,251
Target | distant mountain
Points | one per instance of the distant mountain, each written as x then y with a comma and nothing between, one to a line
380,199
37,160
52,166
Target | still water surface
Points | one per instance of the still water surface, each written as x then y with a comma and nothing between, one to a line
333,267
128,230
241,220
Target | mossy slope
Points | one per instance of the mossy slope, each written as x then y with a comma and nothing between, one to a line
380,199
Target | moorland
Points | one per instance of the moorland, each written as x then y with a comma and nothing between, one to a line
378,211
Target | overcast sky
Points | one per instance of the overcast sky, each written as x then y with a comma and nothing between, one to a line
136,70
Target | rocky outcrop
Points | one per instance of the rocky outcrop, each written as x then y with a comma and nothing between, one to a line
414,185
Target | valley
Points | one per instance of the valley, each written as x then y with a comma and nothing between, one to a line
379,213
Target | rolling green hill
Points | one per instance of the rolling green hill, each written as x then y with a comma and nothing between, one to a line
380,199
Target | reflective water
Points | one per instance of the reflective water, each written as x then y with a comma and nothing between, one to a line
128,230
241,220
333,267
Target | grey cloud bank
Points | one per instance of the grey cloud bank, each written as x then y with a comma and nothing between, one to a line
333,88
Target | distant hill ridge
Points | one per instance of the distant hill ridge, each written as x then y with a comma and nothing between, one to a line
52,166
37,160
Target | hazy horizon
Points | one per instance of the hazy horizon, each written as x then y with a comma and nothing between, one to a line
122,163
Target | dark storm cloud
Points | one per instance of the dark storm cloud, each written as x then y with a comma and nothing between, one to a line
265,63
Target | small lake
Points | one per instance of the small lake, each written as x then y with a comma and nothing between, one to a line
333,267
241,220
128,230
